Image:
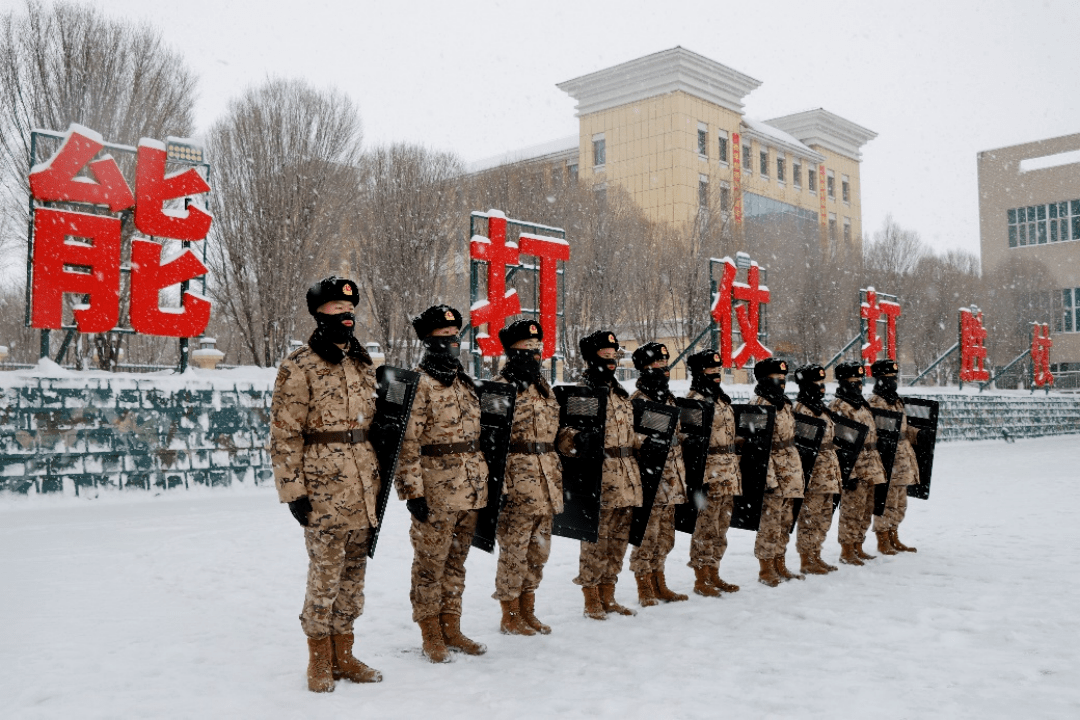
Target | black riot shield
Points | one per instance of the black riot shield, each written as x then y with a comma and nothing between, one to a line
753,423
657,422
809,431
849,436
888,437
393,403
584,410
496,419
695,419
923,415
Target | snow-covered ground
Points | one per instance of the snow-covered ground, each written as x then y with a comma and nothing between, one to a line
185,605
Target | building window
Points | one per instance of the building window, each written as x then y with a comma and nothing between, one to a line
845,188
703,140
722,148
764,164
557,176
703,193
811,180
571,172
832,228
599,150
847,231
725,197
747,159
1070,305
796,174
1041,224
779,168
830,184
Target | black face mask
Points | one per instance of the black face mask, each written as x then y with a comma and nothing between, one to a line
654,382
811,395
772,389
526,360
886,385
332,328
443,345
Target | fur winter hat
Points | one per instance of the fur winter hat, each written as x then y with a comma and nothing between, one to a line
592,344
649,353
848,370
702,360
768,366
884,367
435,317
520,330
809,374
330,289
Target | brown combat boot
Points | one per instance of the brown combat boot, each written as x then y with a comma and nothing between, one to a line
607,599
809,565
767,575
863,555
663,591
528,614
848,556
453,637
703,584
348,667
823,564
782,571
720,584
512,621
593,607
883,545
320,675
434,644
899,545
646,592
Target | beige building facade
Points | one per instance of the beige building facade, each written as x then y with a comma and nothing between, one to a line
1029,207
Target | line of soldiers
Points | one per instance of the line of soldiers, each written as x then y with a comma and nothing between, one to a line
327,434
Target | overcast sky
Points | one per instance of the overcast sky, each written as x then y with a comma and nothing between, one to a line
937,80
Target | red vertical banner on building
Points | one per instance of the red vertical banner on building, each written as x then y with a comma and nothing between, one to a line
736,178
1040,355
972,346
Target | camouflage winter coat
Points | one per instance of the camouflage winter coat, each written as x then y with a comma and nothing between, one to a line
721,464
672,487
905,467
868,465
621,481
785,467
534,481
826,474
313,395
443,416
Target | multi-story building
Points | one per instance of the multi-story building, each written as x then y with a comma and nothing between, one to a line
1029,207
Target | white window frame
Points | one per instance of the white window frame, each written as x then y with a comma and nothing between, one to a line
723,135
599,137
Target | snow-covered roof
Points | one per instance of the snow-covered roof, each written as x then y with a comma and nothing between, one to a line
1046,162
778,138
827,130
563,146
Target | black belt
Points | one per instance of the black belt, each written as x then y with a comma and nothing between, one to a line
722,450
618,452
783,445
527,448
450,448
349,437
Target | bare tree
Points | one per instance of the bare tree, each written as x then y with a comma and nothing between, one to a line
285,168
407,236
68,63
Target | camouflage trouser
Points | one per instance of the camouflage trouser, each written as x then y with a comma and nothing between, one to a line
335,584
895,509
601,562
709,542
524,546
658,541
774,531
815,518
856,507
440,547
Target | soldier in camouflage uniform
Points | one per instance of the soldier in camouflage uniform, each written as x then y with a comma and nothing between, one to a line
784,478
722,478
325,469
647,561
442,476
905,469
533,481
600,562
815,517
857,503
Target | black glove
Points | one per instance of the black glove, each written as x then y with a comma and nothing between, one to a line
300,508
586,441
418,507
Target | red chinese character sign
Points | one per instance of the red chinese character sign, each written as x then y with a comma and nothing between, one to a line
80,252
1040,355
503,258
876,308
737,302
972,346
